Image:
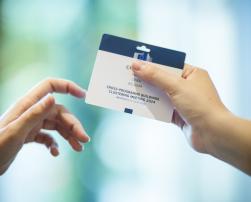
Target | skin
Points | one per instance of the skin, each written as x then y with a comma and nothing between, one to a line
208,125
22,123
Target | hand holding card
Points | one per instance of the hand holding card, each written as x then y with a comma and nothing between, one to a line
113,84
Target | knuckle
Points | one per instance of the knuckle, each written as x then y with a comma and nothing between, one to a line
40,108
61,108
28,102
48,79
151,73
200,71
203,71
173,91
37,111
25,103
188,67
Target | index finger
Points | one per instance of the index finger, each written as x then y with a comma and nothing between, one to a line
164,78
51,85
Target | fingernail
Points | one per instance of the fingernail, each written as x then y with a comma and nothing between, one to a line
89,140
81,148
137,66
54,151
47,100
82,93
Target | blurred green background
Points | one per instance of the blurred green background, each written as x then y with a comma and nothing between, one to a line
129,158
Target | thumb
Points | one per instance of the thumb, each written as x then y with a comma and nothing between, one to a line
164,78
34,114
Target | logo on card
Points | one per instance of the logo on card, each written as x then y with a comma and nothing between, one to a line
143,53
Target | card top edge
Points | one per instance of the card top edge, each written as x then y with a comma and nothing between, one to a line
128,47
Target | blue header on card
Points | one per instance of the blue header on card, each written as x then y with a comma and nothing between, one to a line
142,51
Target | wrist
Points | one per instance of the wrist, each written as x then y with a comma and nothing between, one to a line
217,129
210,128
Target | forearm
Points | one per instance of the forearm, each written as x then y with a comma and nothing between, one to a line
9,147
230,140
3,168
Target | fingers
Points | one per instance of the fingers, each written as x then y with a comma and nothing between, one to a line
71,124
67,125
31,117
39,91
48,141
57,85
52,85
166,79
66,134
187,71
75,144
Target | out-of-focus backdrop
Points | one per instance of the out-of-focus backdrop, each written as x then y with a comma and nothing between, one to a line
130,158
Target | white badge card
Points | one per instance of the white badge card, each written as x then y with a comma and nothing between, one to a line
113,84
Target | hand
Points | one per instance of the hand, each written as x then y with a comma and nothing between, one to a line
209,126
193,95
37,110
